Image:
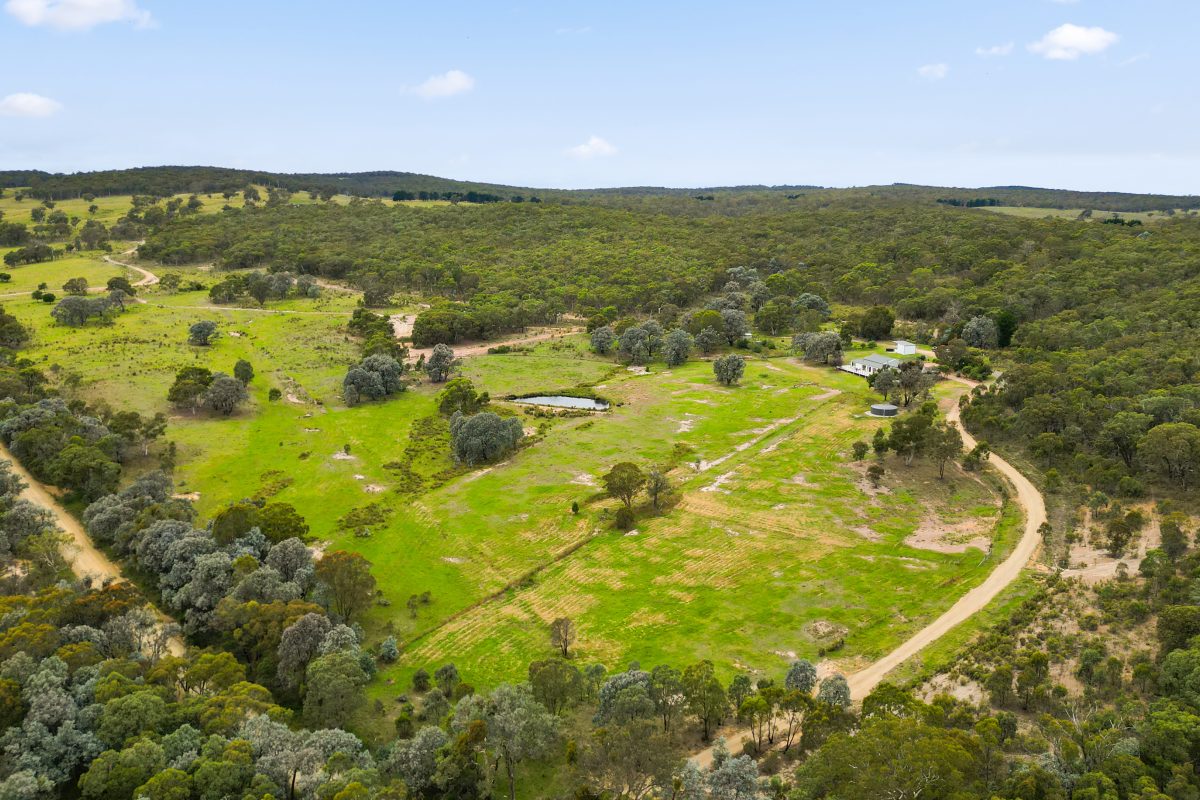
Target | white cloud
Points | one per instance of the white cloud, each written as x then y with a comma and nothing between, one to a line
447,84
594,147
995,50
1068,42
77,15
934,72
27,104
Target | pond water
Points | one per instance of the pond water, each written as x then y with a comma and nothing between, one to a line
563,401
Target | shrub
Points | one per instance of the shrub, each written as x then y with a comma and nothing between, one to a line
624,519
483,437
373,378
729,368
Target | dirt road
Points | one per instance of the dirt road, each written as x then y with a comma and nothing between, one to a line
480,348
1034,507
1033,504
85,559
148,278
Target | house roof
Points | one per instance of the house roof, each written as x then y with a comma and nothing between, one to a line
902,341
879,361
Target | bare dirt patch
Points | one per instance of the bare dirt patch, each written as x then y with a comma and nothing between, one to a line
868,533
940,537
402,325
374,488
800,479
864,483
716,485
687,423
342,455
959,688
823,629
1089,558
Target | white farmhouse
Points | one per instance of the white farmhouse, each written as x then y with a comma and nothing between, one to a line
869,365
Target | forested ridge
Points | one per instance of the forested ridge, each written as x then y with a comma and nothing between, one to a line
167,180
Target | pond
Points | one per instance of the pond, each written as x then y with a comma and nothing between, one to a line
563,401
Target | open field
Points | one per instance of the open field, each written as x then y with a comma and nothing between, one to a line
111,208
773,552
57,272
1029,212
108,209
772,546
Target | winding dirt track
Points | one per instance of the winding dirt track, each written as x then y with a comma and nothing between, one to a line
1034,506
148,278
85,559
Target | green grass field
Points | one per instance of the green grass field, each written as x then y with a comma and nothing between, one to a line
772,546
57,272
1073,213
763,552
110,209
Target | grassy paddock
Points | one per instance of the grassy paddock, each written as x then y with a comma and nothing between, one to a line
1029,212
771,546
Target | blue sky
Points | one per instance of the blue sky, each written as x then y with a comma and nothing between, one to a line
567,94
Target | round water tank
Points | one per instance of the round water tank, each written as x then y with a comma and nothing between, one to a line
883,410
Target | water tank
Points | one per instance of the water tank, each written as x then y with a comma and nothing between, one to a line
884,410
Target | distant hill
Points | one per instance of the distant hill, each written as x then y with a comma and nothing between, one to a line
1035,197
168,180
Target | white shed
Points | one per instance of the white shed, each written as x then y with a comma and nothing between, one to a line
904,348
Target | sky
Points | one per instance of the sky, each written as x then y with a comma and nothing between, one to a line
1079,94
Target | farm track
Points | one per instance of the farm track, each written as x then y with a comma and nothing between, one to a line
87,562
481,348
1032,503
147,278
